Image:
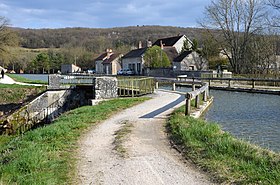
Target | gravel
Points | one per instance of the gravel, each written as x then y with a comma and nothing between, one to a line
150,159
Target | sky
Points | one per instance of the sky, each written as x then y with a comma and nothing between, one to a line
102,13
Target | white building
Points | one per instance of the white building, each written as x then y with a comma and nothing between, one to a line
108,63
176,42
189,61
70,68
134,60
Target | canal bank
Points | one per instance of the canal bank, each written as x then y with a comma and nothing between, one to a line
226,159
252,117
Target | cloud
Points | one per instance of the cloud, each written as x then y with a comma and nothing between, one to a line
105,13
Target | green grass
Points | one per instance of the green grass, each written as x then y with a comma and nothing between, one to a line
12,93
120,136
25,80
46,155
228,160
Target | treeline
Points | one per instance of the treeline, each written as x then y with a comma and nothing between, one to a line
44,50
97,40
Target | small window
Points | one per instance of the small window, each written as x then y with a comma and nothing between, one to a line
191,68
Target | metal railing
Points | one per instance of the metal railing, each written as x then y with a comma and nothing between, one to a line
77,79
132,86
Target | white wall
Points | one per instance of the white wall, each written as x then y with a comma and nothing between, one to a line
180,43
191,62
135,61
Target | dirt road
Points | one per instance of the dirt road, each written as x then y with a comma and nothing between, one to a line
145,156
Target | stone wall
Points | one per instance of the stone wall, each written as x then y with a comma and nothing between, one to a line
102,87
44,108
105,88
55,101
54,81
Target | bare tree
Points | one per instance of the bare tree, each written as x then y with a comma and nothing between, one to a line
275,17
275,4
7,38
238,21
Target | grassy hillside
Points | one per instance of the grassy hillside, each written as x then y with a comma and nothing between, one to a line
13,96
86,37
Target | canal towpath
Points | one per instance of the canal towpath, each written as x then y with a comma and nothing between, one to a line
9,80
149,157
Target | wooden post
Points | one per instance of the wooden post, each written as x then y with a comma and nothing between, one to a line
193,87
188,105
132,91
205,96
173,87
228,83
156,85
253,83
197,101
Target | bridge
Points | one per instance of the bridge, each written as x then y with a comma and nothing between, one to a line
126,86
252,85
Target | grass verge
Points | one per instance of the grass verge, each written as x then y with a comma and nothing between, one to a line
46,155
120,136
13,93
228,160
25,80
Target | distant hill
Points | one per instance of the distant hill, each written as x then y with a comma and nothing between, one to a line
95,39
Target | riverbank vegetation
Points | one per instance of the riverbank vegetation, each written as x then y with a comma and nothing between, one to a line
13,96
226,159
46,155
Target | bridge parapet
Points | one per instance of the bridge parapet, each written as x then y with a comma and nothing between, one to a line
103,87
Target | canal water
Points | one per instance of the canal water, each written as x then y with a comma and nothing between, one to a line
253,117
42,77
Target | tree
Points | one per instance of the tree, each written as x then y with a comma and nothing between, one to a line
275,4
42,63
155,57
7,38
238,22
261,55
187,46
55,59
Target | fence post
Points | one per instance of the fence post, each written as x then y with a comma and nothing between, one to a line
228,83
253,83
205,96
188,105
156,85
197,101
173,86
132,91
193,87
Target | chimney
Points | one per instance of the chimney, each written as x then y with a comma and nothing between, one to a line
140,45
149,43
161,45
109,53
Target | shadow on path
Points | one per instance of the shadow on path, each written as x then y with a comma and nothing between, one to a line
165,108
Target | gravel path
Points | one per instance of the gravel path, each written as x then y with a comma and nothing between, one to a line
148,158
9,80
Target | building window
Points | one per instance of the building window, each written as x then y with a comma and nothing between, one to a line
191,68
